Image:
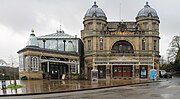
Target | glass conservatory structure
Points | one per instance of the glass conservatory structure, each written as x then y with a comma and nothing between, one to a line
53,56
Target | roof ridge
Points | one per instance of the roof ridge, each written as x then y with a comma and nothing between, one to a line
56,35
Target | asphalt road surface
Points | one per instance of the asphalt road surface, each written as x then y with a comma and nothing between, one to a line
166,89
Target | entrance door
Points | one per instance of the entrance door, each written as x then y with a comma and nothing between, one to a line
102,72
129,71
120,71
117,71
124,71
89,72
57,70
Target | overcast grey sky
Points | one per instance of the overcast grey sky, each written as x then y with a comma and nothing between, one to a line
18,17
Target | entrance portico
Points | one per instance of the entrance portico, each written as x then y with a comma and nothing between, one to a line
123,68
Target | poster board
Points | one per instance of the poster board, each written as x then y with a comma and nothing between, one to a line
94,74
63,76
153,74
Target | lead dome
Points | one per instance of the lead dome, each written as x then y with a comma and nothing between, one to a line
94,13
146,12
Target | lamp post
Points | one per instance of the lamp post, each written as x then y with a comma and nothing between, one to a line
3,76
153,60
3,82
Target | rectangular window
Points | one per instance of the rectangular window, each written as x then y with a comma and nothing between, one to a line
143,45
124,69
155,42
129,69
89,45
100,44
34,63
115,69
145,26
21,62
73,68
119,69
27,63
153,26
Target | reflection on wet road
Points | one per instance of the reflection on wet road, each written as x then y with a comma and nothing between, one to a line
43,86
167,89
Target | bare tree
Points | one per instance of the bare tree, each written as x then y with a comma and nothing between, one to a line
174,48
174,53
162,60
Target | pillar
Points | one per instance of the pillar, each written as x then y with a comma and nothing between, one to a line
48,67
69,71
108,72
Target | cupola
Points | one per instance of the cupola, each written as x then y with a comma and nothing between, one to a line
32,42
147,13
95,13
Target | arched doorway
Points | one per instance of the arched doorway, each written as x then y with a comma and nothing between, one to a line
119,48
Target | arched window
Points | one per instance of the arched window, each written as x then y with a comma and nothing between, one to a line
122,46
143,45
27,63
35,64
101,44
146,26
155,45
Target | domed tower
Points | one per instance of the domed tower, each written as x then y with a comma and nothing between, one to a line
32,42
95,26
95,19
148,20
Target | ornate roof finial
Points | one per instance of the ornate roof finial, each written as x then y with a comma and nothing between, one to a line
95,5
147,5
32,31
94,2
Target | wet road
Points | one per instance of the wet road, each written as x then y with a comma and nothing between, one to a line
46,86
167,89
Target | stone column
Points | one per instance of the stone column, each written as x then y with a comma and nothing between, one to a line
48,67
137,72
78,66
69,71
111,69
108,72
133,71
23,63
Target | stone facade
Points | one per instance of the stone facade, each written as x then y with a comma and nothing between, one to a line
121,50
116,50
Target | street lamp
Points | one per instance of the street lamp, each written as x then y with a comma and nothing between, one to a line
153,59
3,75
3,82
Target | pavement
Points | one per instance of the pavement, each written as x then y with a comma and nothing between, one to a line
37,87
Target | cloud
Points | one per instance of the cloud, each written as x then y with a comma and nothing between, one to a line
18,17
